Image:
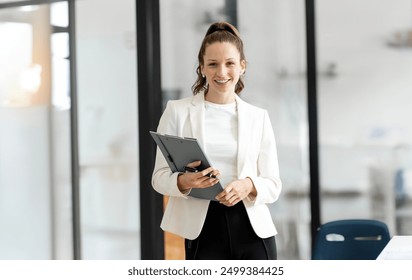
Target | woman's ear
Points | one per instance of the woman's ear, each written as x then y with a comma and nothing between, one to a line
243,66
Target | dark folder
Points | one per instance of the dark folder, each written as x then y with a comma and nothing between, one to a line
178,152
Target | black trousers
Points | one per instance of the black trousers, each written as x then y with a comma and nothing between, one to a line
228,235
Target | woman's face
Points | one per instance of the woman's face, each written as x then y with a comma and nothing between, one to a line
222,68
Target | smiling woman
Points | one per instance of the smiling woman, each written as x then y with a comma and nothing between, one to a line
240,143
229,51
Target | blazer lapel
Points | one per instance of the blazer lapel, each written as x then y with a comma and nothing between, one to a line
197,117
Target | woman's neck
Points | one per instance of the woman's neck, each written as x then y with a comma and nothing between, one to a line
218,98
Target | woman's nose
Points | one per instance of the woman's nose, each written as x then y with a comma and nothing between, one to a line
222,71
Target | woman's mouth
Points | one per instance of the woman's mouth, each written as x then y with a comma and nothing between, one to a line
222,81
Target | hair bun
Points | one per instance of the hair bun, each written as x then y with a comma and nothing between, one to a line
223,26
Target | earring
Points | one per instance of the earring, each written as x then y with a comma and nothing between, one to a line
203,75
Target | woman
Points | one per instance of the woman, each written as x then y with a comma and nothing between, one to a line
239,141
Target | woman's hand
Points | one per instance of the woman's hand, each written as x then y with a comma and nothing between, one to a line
236,191
198,180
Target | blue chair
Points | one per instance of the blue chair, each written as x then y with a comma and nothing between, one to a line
356,239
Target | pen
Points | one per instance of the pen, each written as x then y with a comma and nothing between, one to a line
191,169
210,175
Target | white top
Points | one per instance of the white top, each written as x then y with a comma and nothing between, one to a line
221,141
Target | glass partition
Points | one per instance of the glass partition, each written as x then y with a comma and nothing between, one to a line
365,65
35,154
35,177
108,140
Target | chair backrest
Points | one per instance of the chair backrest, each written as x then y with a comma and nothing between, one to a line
356,239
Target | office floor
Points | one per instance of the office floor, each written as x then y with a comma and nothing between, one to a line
174,247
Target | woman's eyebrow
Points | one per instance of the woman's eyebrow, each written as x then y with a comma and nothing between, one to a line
212,59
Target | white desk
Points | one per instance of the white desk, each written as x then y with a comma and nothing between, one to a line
398,248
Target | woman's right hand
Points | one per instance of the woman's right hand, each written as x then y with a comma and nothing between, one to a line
198,180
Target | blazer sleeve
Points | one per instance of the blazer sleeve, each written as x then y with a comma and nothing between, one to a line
164,181
267,182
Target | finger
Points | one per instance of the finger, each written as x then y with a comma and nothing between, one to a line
223,193
232,201
229,204
214,174
230,197
208,182
194,164
207,171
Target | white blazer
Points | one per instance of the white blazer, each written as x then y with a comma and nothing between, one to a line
257,159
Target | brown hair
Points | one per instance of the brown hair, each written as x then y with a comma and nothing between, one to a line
218,32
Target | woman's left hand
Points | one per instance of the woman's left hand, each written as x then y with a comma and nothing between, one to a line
236,191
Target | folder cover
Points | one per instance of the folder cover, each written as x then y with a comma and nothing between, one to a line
178,152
